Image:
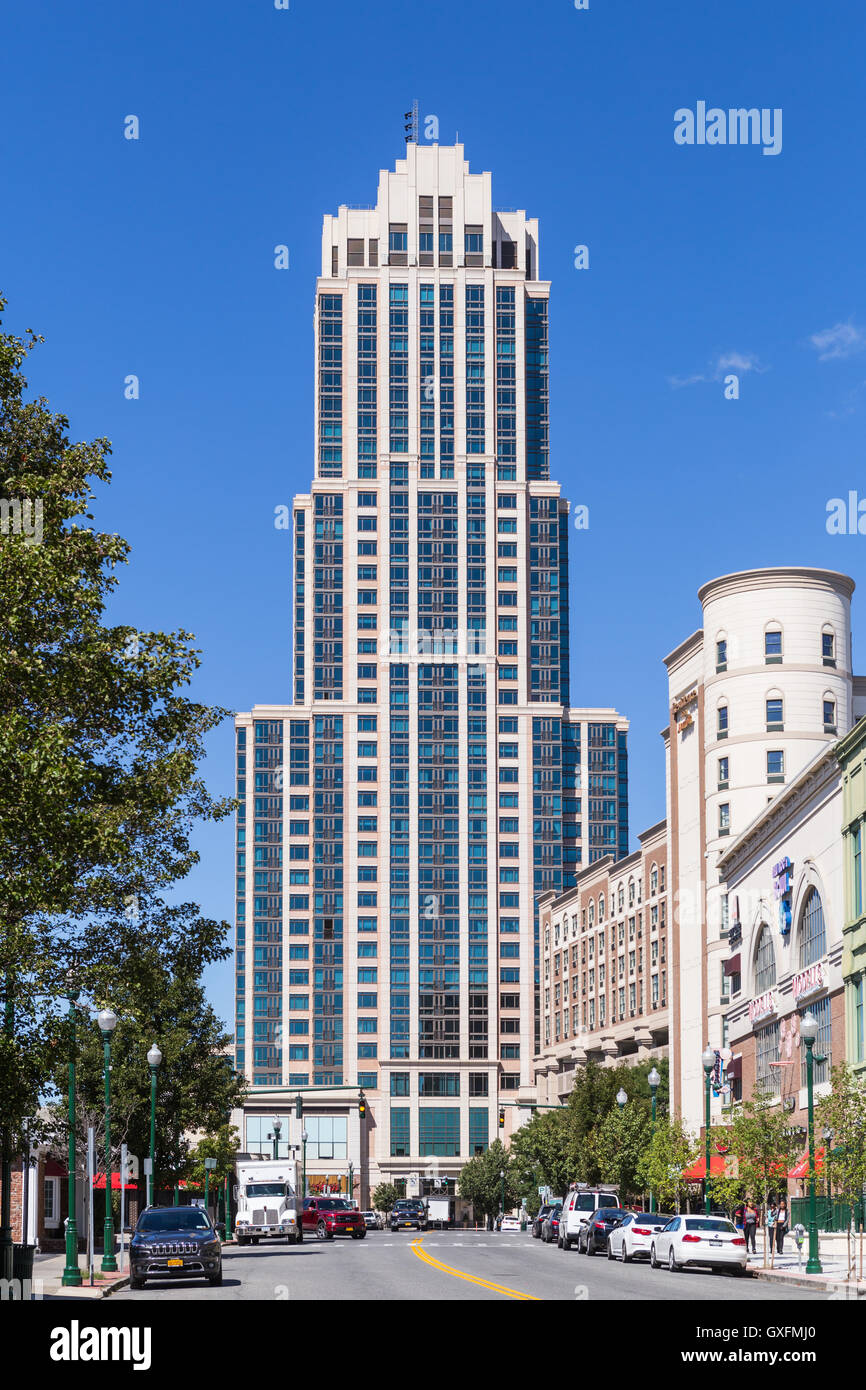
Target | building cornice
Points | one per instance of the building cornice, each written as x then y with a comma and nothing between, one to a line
778,577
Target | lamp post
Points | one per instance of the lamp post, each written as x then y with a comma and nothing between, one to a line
277,1125
654,1080
154,1057
107,1021
809,1033
621,1099
304,1137
708,1058
72,1273
502,1199
209,1165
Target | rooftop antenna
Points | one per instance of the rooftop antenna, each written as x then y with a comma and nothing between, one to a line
411,124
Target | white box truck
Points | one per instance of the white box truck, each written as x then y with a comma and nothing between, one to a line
268,1203
440,1212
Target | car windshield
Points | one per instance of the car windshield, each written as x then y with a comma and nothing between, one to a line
266,1189
173,1219
332,1204
610,1214
651,1218
707,1223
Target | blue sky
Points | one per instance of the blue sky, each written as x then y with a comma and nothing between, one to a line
155,258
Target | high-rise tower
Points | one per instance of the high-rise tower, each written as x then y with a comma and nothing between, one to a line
429,780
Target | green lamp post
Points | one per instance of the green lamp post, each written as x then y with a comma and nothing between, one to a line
502,1181
154,1057
107,1021
276,1125
304,1137
708,1058
809,1034
72,1273
209,1165
654,1080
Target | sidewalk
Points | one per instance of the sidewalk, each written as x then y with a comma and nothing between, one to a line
790,1268
48,1277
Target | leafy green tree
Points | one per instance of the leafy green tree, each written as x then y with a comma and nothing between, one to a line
481,1184
99,744
157,995
843,1111
620,1142
670,1152
544,1150
763,1143
385,1196
223,1146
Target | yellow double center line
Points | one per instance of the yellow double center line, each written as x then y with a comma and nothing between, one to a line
470,1278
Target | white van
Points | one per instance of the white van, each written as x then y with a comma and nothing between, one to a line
581,1201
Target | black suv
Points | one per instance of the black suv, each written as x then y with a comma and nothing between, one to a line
174,1243
408,1212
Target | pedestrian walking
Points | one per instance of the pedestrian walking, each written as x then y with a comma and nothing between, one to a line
738,1216
781,1225
750,1226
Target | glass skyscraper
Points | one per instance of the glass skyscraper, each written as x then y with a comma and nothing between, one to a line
429,780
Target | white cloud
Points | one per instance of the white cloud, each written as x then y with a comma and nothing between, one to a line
842,340
725,362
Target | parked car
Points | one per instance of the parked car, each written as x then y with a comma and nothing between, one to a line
409,1213
594,1234
174,1243
333,1216
510,1223
632,1238
580,1202
538,1221
699,1240
550,1225
372,1220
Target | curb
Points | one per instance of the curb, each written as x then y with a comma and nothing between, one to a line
807,1281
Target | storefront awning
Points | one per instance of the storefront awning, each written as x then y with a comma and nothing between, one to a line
734,1069
698,1170
801,1169
732,966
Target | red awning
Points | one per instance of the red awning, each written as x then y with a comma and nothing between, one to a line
99,1183
732,966
698,1170
55,1169
734,1069
801,1169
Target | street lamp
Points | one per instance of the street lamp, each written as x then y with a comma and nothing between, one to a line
72,1273
809,1033
277,1126
708,1058
304,1137
654,1080
502,1181
209,1165
621,1098
154,1057
107,1021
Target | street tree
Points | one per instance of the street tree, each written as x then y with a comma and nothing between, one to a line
385,1197
660,1168
481,1183
620,1142
763,1143
843,1112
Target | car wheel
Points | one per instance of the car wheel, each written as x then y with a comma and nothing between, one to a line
136,1283
624,1256
589,1249
243,1240
321,1231
672,1264
566,1242
654,1264
254,1240
215,1278
609,1251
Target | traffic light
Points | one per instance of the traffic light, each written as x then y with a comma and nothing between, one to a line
501,1118
299,1108
362,1106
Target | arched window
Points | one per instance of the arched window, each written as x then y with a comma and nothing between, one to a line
601,907
828,645
813,935
765,961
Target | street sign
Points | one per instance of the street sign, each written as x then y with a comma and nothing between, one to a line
148,1167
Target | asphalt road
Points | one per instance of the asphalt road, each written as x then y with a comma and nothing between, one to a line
458,1265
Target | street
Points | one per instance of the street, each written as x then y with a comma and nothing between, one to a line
446,1265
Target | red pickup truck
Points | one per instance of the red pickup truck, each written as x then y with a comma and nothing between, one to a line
333,1216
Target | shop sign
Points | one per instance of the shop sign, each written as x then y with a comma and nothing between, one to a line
762,1006
810,980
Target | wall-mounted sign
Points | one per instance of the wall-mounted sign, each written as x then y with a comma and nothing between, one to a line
810,980
782,874
762,1006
